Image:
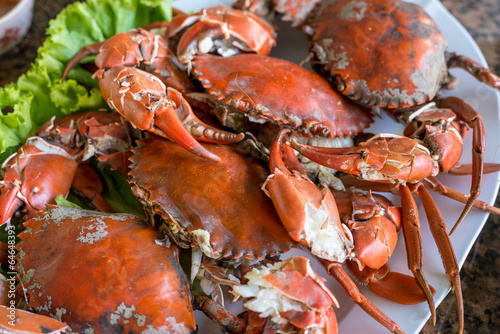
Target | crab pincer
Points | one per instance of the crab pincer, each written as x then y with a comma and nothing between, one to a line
34,176
145,101
309,214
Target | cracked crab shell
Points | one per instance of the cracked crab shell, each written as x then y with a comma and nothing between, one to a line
103,273
218,203
386,53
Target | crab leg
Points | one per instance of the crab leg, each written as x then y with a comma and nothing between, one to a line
399,288
90,49
145,101
413,244
433,184
467,169
443,242
468,115
216,312
481,73
336,271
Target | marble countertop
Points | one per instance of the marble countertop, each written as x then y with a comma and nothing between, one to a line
480,273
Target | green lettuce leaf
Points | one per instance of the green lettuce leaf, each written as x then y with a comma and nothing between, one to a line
16,125
40,94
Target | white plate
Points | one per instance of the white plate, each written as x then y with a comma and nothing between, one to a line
292,45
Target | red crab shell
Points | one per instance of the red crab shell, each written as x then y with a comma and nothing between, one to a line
103,272
380,53
281,93
222,198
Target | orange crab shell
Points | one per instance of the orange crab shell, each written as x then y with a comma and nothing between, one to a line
103,272
282,93
223,199
351,37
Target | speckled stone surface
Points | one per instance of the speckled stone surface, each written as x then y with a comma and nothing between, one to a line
480,274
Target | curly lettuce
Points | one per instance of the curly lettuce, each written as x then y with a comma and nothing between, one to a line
40,94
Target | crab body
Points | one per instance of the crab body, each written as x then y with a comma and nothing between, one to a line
216,206
275,91
147,291
350,38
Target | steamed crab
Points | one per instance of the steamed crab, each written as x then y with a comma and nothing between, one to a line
249,92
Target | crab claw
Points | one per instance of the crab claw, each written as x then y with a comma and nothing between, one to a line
382,157
374,223
308,213
145,101
292,294
35,176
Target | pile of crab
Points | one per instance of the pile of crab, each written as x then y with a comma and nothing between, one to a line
232,156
